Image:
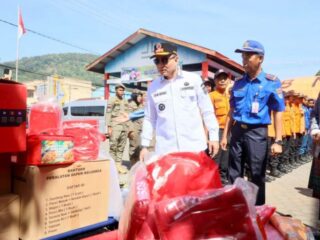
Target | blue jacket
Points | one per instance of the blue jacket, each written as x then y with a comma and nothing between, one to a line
253,100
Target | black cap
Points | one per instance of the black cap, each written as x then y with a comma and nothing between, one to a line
164,49
219,72
207,82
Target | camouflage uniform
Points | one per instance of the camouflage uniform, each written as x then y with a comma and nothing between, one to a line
135,127
119,133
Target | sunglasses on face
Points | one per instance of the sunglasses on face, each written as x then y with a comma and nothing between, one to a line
163,60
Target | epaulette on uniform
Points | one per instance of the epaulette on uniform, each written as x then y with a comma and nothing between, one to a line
271,77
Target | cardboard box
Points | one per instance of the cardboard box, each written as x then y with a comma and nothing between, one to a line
57,199
5,174
9,217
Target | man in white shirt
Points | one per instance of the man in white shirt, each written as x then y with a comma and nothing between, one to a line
176,108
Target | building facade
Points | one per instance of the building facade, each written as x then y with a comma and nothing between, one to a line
129,62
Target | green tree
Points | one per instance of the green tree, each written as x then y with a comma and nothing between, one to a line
67,64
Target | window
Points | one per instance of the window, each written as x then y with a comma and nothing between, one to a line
65,111
87,111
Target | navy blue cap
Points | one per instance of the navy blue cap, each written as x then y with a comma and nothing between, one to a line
251,46
219,72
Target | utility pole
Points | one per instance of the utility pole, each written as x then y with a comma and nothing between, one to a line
55,84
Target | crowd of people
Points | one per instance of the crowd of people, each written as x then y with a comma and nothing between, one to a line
247,125
297,142
120,130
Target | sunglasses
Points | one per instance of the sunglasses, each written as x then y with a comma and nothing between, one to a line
163,60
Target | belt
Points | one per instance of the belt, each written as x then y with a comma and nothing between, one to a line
249,126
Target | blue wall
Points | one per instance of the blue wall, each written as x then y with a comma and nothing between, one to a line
139,56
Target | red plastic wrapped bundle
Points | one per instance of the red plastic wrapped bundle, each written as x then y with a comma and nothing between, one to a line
182,173
265,212
86,138
45,117
219,213
133,219
175,174
149,229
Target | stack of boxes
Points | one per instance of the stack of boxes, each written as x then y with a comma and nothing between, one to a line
49,200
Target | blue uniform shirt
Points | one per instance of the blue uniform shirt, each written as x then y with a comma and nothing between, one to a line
264,90
307,114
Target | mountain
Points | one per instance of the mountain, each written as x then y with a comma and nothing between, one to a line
64,64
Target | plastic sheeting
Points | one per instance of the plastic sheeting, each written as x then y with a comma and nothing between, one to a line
180,196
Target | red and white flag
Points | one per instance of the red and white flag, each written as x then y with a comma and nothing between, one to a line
21,28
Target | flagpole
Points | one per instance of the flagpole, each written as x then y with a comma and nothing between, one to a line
17,60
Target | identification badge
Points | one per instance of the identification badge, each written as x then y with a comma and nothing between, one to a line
255,107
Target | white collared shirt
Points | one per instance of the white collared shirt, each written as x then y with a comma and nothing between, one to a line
176,110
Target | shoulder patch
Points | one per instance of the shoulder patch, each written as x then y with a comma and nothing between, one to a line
271,77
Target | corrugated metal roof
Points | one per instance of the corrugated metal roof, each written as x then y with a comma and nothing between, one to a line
99,64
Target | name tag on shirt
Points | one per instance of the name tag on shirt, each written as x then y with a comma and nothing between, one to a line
160,96
187,91
255,107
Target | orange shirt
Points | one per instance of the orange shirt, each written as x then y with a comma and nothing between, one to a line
298,119
303,121
271,131
287,123
221,105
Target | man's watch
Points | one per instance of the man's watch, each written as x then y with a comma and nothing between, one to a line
279,142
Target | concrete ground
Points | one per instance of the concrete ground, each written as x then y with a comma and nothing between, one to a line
290,195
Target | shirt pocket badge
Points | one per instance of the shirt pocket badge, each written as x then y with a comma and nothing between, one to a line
161,103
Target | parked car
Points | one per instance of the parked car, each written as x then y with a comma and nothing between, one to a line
87,109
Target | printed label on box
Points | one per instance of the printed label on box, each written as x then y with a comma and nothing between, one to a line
54,151
56,200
